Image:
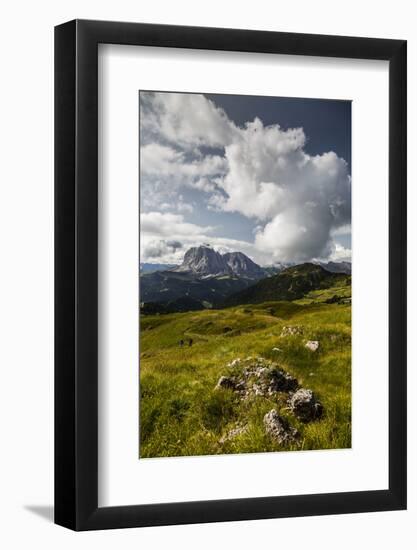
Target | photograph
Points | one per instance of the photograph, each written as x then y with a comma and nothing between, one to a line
245,274
188,197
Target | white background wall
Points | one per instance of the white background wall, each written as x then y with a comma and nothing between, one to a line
26,273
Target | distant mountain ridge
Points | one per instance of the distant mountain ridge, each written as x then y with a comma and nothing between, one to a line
337,267
145,267
204,261
206,278
333,267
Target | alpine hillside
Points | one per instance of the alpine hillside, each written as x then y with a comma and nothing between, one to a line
290,284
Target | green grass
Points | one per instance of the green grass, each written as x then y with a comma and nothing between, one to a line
342,289
181,413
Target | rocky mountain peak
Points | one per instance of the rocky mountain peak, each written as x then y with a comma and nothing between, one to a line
240,264
204,261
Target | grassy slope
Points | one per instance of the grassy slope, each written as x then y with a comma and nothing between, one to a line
182,414
290,284
342,289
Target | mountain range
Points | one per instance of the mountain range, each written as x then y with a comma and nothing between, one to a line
145,267
337,267
333,267
206,278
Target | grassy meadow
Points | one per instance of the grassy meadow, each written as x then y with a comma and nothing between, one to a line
181,412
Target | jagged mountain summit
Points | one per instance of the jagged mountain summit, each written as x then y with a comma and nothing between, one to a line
204,261
243,266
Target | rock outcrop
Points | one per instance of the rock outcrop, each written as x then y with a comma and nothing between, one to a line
305,406
258,377
226,382
279,428
234,432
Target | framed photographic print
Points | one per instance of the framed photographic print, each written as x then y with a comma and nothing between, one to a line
230,338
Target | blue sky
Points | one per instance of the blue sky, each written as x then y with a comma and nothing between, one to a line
267,176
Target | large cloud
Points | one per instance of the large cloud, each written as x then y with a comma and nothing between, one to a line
163,163
168,225
188,120
298,202
299,199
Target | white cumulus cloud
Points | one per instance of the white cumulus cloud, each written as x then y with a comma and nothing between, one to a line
298,198
188,120
298,203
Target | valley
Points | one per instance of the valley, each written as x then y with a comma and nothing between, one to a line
207,279
297,322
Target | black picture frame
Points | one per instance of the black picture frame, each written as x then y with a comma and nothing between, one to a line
76,272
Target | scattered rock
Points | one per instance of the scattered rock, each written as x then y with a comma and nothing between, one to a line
234,432
279,380
258,377
291,330
268,380
260,372
256,389
252,377
312,345
304,405
279,428
226,382
240,386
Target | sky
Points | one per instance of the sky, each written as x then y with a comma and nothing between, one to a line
267,176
